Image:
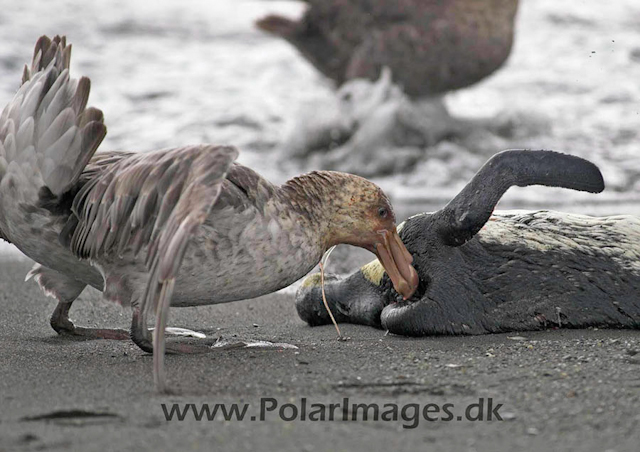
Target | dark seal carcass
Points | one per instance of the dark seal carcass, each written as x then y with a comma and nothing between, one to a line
483,272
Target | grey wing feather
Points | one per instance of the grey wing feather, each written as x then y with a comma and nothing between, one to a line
129,200
155,201
47,135
167,251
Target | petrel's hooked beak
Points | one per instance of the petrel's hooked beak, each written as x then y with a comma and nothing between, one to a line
396,260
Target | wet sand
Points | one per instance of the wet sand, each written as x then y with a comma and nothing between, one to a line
560,389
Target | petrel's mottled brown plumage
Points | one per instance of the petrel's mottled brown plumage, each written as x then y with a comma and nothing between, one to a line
431,46
185,226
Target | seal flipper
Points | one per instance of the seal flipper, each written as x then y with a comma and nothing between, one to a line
467,213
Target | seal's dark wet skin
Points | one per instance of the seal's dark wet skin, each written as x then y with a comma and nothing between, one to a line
512,271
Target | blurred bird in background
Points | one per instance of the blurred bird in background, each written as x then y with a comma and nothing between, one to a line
392,61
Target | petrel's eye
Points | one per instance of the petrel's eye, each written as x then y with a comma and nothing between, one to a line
383,212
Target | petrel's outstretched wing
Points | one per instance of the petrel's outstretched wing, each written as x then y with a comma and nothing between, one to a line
154,203
47,136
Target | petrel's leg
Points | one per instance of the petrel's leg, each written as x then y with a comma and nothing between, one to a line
66,290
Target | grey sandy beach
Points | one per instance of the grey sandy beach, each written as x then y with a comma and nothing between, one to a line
559,389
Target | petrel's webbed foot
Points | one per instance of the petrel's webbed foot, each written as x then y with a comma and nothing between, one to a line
62,325
142,336
66,289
